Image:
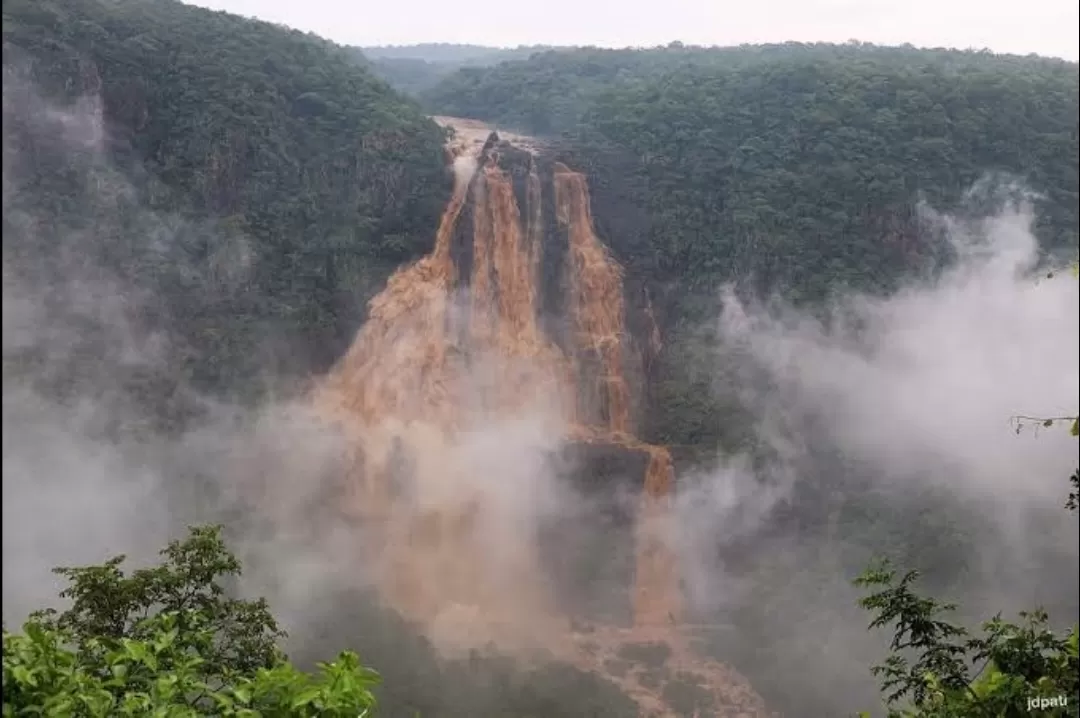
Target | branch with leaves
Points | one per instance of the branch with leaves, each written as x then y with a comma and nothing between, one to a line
937,669
167,641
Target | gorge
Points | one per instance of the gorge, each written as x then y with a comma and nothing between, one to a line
517,312
216,228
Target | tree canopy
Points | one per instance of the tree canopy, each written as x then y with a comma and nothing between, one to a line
415,69
937,669
173,640
799,169
256,180
167,641
798,165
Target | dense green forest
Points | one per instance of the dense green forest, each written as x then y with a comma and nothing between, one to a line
415,69
791,168
738,155
322,176
451,54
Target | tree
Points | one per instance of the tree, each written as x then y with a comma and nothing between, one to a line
794,169
1009,670
956,675
168,641
252,182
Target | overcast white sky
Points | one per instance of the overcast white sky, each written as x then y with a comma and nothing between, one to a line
1046,27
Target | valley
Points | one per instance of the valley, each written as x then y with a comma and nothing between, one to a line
548,381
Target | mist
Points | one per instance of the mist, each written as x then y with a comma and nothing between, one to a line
91,470
907,405
69,497
108,447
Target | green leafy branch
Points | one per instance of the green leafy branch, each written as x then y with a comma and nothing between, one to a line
168,642
937,669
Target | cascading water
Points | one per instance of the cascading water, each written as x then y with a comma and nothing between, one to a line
454,342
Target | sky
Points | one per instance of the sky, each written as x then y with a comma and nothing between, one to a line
1044,27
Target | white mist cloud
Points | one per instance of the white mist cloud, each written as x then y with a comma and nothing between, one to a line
85,474
487,492
464,168
921,385
69,499
70,496
924,383
718,503
909,396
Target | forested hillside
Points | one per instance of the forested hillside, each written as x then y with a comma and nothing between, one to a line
801,170
197,207
855,133
795,168
453,54
414,69
215,135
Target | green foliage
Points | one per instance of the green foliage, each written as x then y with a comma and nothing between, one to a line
106,603
956,675
163,674
919,627
952,674
254,186
789,168
416,69
166,642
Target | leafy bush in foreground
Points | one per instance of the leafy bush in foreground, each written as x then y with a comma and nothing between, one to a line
165,641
